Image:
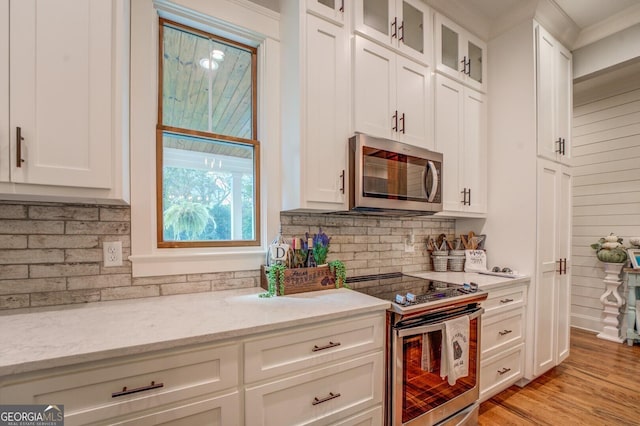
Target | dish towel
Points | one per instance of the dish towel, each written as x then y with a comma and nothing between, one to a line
431,343
454,361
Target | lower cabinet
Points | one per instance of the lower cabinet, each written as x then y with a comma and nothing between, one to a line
502,352
320,396
138,389
328,372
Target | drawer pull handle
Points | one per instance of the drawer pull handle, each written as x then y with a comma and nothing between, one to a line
505,332
506,300
317,348
329,397
504,371
126,391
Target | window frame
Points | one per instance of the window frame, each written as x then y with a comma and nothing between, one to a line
161,129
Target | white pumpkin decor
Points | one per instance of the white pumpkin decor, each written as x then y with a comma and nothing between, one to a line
610,249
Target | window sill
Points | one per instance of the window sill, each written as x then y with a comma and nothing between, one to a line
196,263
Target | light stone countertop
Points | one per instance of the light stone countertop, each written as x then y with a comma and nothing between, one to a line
96,331
485,282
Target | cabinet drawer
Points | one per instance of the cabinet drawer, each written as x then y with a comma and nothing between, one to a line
320,396
221,410
87,391
287,352
371,417
504,299
501,371
500,332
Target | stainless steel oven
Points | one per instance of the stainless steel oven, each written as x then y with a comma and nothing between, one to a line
420,396
416,391
388,177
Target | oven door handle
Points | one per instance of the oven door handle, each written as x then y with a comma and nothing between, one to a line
413,331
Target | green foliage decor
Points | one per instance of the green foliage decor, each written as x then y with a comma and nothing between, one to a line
340,271
275,273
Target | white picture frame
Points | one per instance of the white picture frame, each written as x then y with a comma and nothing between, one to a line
634,257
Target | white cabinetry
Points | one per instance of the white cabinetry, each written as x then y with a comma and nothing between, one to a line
173,386
316,375
392,95
329,9
404,25
315,115
554,85
461,133
503,336
529,219
460,54
67,136
553,290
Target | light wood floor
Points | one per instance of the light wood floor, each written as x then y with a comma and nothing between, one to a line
599,384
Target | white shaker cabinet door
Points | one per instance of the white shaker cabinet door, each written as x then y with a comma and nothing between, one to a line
414,103
374,89
61,67
474,152
449,128
327,111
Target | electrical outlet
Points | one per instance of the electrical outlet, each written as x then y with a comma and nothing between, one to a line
112,253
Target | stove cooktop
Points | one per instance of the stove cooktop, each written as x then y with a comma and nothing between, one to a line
409,294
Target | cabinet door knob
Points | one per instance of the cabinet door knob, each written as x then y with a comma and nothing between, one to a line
342,179
395,121
505,332
126,391
342,6
317,348
403,123
504,371
401,32
329,397
394,28
19,140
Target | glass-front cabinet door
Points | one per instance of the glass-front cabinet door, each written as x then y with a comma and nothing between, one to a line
404,25
460,54
330,9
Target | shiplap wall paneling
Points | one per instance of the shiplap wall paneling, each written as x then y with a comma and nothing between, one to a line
606,191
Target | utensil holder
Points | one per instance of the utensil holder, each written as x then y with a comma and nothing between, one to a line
440,263
456,260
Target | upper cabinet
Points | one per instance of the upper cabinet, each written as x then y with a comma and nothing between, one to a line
332,10
554,93
392,95
461,136
460,54
404,25
67,131
315,108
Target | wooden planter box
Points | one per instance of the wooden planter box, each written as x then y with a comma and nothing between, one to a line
300,280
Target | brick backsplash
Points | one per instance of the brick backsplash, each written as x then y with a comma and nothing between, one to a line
368,244
51,254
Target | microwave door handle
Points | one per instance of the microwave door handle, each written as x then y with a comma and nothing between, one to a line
412,331
431,168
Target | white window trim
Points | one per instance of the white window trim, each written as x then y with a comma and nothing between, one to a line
235,19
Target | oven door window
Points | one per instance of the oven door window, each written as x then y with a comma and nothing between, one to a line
395,176
423,389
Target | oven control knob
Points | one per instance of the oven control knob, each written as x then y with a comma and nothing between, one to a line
411,298
400,299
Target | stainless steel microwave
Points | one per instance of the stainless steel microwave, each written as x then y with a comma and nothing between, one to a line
393,178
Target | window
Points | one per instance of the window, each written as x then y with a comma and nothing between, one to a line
207,149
